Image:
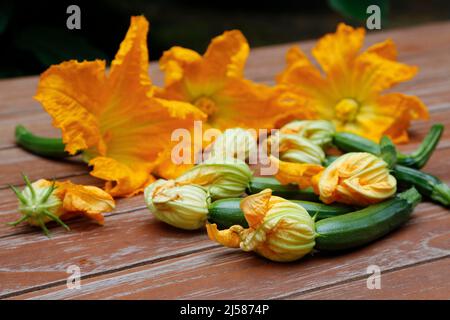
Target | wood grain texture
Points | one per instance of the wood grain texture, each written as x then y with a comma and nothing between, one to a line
409,283
221,273
134,256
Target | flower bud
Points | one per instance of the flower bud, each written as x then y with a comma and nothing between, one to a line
182,206
357,178
293,148
319,132
227,178
233,143
279,230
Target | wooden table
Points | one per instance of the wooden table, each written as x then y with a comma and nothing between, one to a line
134,256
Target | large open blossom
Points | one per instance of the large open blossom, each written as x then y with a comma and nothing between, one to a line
122,129
349,92
214,83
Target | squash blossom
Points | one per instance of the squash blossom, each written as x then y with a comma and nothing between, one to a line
319,132
114,119
357,178
182,206
294,148
233,143
279,230
226,178
43,201
349,92
215,84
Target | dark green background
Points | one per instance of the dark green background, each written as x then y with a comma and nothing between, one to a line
34,35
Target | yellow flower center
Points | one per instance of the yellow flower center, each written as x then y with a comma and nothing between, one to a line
206,104
346,109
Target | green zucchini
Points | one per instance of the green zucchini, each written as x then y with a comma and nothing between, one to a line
350,142
366,225
427,184
290,191
46,147
227,212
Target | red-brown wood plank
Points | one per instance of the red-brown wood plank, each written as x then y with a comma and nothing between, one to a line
223,273
409,283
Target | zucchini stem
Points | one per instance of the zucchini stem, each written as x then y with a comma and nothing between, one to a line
42,146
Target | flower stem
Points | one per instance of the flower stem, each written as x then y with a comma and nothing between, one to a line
46,147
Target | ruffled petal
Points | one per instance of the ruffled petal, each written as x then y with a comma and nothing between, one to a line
296,173
227,54
89,200
175,61
72,93
255,207
385,49
122,180
229,238
337,50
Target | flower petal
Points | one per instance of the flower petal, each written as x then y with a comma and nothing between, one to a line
123,180
335,51
297,173
89,200
385,49
228,238
255,207
72,93
228,53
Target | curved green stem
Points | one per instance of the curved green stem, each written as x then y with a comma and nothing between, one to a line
46,147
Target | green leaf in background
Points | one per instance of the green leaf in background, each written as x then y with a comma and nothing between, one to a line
356,9
6,9
50,45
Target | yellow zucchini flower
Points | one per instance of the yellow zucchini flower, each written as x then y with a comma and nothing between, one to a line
279,230
43,201
357,178
234,143
113,118
350,92
215,84
182,206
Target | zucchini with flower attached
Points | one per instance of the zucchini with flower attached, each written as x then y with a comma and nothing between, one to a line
288,191
227,212
349,142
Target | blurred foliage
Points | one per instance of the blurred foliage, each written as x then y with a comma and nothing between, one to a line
357,10
34,34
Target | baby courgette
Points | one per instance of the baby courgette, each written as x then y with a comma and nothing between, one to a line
366,225
290,191
227,212
350,142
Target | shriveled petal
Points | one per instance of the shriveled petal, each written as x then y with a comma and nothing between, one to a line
89,200
297,173
72,93
337,50
255,207
228,238
122,180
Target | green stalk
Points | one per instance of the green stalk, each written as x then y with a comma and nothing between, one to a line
349,142
46,147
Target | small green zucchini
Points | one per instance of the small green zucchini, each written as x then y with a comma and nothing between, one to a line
349,142
290,191
427,184
366,225
227,212
46,147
